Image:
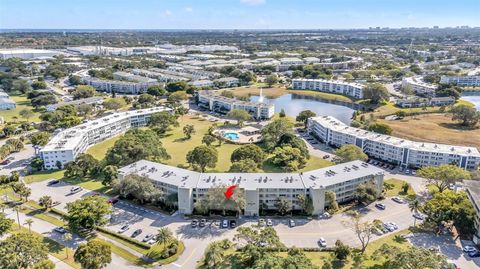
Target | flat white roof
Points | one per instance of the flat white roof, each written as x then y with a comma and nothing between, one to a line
357,85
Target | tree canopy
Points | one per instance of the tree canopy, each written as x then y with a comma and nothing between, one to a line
88,213
443,175
138,187
203,157
376,92
95,254
350,152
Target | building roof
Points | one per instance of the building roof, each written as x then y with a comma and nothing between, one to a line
189,179
215,94
336,125
89,100
340,82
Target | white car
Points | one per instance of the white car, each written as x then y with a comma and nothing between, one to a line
418,216
322,242
398,200
75,189
124,229
469,249
225,223
261,222
269,222
148,237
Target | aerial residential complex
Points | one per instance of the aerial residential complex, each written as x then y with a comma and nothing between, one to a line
419,87
332,86
215,102
66,145
424,102
465,81
118,86
260,189
392,149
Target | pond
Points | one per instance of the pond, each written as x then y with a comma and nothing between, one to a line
294,104
472,99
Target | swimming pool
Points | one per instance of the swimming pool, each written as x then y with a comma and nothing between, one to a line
231,136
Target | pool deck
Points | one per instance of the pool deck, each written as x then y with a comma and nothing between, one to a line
245,136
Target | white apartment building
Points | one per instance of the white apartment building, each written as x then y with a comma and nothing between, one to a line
465,81
66,145
214,102
424,102
163,77
202,83
260,189
392,149
419,86
95,100
117,86
27,53
472,188
227,82
331,86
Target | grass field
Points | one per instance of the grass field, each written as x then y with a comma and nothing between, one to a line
397,189
98,151
436,128
22,103
43,175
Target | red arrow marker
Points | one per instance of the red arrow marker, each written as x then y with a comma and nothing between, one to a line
229,191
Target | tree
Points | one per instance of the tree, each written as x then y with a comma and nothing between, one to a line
297,259
29,223
214,199
109,174
443,175
95,254
146,100
304,116
380,128
239,115
363,230
283,206
249,152
331,200
414,207
273,131
43,100
350,152
271,80
289,139
341,250
40,138
214,255
135,145
26,113
22,250
177,86
156,90
188,130
288,158
203,156
208,139
282,113
376,92
46,202
244,166
413,257
138,187
177,97
164,236
467,116
87,213
37,163
83,91
306,203
20,85
161,121
44,264
366,193
256,237
114,103
22,190
38,85
5,224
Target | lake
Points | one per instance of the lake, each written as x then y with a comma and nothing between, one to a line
472,99
294,104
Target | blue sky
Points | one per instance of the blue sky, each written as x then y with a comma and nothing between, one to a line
235,14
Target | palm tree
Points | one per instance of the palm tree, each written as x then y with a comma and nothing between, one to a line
414,207
66,237
164,236
45,201
214,255
16,209
29,222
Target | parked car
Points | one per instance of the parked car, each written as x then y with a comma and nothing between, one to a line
398,199
322,242
291,223
389,227
380,206
325,215
124,228
153,240
5,162
261,222
75,189
216,223
202,223
148,237
113,201
269,222
53,182
418,216
225,223
60,230
469,249
474,254
233,223
136,232
194,223
326,156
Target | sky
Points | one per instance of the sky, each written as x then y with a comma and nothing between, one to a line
236,14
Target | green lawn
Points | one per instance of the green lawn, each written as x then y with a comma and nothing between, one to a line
98,151
22,103
44,175
397,189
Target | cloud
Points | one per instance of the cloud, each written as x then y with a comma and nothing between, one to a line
188,9
253,2
167,13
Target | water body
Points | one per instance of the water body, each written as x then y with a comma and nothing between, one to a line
294,104
472,99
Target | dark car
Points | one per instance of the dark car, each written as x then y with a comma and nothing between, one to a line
194,223
136,232
53,182
60,230
113,201
380,206
5,162
474,254
233,223
202,223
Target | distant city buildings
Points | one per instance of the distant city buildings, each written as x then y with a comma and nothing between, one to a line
27,53
419,87
392,149
66,145
331,86
464,81
260,189
214,102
